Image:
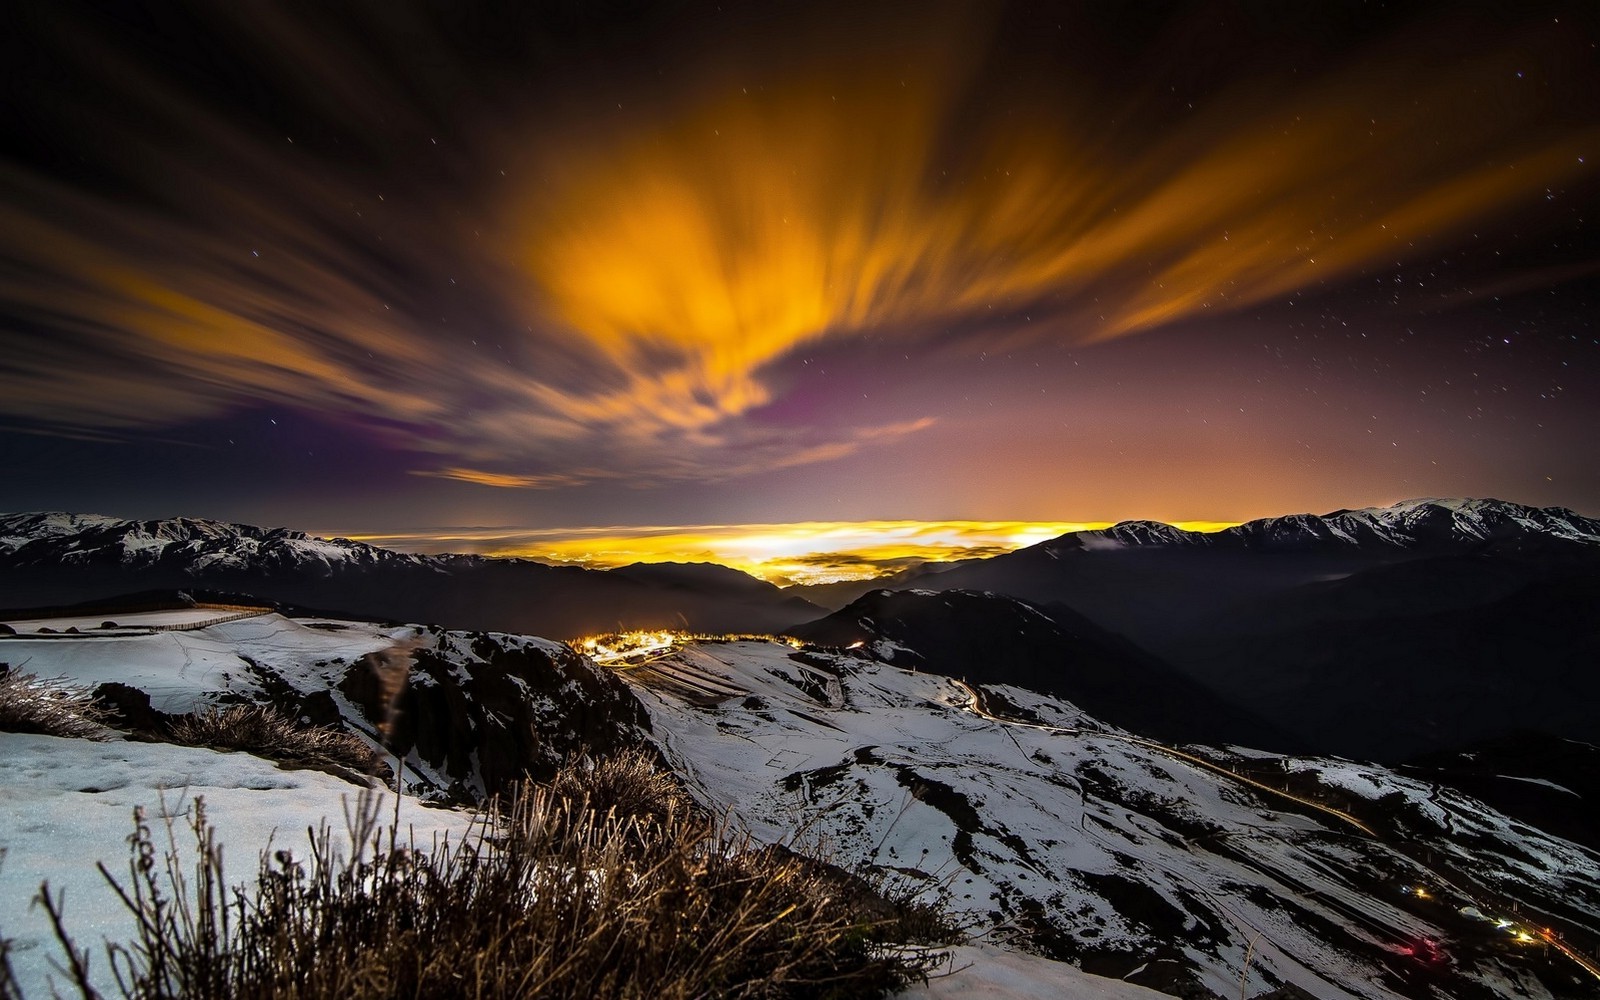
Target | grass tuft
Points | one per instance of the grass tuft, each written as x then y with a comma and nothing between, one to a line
266,732
546,897
627,784
31,704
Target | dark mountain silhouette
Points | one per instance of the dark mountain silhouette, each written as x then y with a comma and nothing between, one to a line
1162,585
836,595
990,639
59,559
1546,781
1408,659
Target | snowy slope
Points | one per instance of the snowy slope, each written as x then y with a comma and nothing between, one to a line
1042,826
986,972
476,710
66,804
1090,845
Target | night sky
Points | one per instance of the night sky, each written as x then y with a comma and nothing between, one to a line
383,268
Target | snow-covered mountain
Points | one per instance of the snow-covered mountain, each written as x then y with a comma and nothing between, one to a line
1426,524
470,712
1140,861
1046,828
1381,632
1408,529
52,559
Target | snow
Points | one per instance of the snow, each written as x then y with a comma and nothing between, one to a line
125,621
1504,854
17,530
985,972
1125,847
67,804
185,670
1540,781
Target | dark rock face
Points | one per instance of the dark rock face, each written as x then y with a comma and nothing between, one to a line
487,710
130,708
1413,659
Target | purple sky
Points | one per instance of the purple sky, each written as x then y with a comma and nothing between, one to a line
380,267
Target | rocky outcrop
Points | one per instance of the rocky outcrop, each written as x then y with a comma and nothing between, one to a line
485,710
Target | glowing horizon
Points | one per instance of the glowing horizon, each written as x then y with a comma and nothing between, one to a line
805,552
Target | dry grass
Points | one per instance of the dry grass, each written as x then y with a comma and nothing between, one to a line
266,732
545,899
627,784
30,704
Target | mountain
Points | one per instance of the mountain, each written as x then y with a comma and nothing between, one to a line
471,713
991,639
1381,632
55,559
1198,872
1549,782
1157,583
1185,870
1420,657
712,582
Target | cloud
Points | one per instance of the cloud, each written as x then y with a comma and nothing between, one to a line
616,309
503,480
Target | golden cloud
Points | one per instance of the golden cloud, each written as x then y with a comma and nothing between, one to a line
501,480
692,255
632,292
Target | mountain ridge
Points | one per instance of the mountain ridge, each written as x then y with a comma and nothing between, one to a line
55,558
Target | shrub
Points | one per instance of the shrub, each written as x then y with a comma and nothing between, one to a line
545,899
627,784
266,732
29,704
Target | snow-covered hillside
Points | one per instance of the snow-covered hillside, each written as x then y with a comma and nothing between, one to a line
1094,845
471,711
1044,828
66,804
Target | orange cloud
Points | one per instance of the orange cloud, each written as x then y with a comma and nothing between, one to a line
691,255
632,291
502,480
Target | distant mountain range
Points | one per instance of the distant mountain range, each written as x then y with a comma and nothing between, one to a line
53,559
1328,545
1381,632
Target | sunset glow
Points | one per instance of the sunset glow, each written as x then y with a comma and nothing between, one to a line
811,552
